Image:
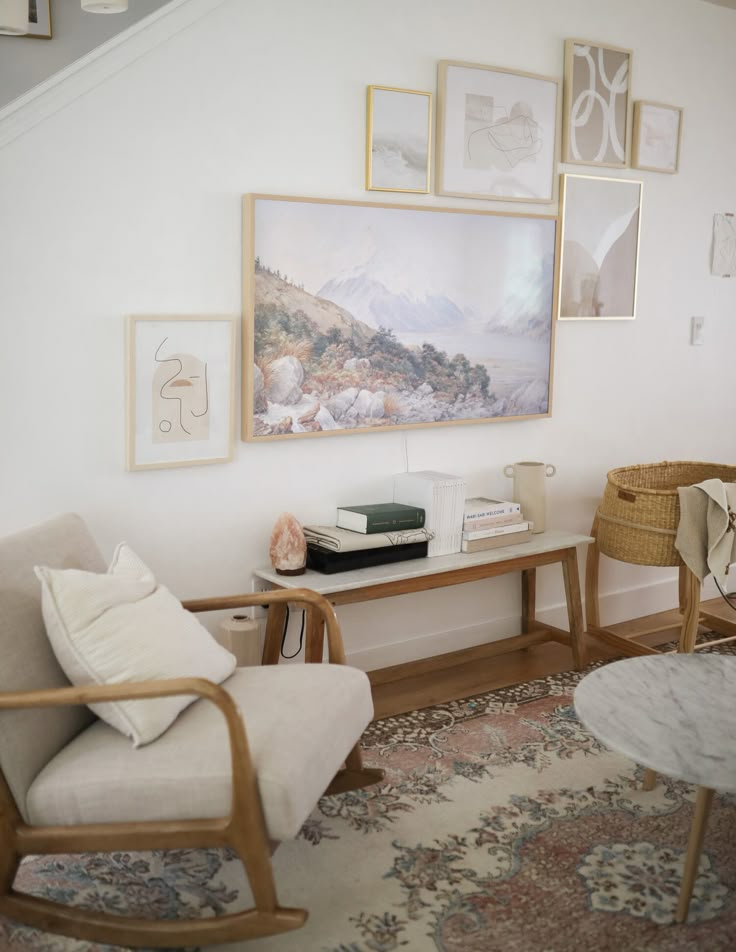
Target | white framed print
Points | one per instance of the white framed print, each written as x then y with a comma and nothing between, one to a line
496,133
398,137
657,133
180,390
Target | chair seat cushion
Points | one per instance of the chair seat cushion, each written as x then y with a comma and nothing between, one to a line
301,721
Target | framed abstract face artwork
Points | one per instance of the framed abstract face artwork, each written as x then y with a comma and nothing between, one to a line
180,390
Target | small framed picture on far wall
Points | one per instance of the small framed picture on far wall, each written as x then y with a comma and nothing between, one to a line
657,132
398,138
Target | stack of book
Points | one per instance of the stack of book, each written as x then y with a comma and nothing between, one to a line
492,523
374,534
442,497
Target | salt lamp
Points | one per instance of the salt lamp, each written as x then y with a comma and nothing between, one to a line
288,549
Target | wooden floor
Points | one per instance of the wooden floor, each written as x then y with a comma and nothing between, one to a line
447,677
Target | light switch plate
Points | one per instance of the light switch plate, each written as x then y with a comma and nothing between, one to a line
697,331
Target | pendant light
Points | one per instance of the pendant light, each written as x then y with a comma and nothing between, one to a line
104,6
13,17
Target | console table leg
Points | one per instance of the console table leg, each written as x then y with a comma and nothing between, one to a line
694,847
528,599
315,637
275,620
574,607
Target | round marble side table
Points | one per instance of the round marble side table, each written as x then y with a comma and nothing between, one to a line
675,714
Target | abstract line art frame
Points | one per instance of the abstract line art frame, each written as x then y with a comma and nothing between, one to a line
496,133
657,134
180,382
596,122
398,140
361,317
599,257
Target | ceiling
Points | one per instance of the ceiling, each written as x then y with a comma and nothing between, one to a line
724,3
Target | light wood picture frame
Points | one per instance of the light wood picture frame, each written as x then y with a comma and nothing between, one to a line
596,121
366,317
599,256
39,21
657,136
398,140
180,379
496,133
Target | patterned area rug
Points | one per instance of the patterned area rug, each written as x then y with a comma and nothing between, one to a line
501,825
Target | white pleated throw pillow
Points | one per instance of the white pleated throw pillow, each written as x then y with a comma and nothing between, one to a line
123,626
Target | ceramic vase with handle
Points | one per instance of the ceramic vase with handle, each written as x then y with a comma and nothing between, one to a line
529,489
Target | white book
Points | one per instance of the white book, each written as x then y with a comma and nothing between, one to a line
480,507
442,496
496,531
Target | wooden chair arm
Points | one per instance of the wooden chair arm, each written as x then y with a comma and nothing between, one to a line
244,782
299,596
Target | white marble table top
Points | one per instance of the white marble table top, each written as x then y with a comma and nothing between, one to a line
548,541
674,713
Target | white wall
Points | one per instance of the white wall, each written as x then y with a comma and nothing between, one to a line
128,201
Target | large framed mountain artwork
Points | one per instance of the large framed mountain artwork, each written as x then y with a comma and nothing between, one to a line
361,316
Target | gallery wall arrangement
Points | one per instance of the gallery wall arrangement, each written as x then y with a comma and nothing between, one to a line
367,316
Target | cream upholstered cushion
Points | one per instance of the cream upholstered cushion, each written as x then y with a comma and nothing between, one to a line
185,774
107,628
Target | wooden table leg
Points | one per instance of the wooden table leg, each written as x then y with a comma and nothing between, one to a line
694,848
650,779
315,637
574,607
528,599
275,621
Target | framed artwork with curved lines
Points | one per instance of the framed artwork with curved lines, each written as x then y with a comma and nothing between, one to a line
181,390
596,121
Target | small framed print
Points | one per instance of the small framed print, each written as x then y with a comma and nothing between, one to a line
600,248
398,140
596,120
496,133
180,383
39,21
657,131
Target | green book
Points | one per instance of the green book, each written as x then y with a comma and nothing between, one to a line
380,517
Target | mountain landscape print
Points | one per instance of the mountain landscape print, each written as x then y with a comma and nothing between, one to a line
363,316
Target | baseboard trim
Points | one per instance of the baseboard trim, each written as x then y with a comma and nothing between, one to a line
614,607
92,69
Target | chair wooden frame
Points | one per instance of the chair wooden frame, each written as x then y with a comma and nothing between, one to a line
243,830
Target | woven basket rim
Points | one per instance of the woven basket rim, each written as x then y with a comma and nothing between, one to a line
614,473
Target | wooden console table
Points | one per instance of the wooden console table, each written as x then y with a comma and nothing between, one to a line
420,575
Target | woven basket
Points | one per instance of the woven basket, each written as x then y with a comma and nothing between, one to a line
640,510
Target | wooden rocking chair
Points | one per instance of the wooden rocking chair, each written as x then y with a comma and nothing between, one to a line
70,783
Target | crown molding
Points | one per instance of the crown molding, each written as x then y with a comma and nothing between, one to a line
92,69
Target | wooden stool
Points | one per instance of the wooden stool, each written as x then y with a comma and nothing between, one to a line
689,605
